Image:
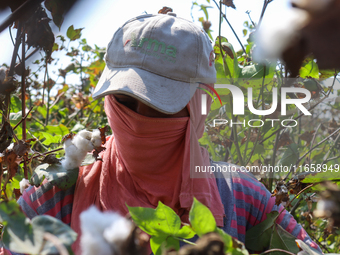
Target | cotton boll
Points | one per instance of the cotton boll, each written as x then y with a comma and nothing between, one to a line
272,41
118,231
93,224
24,184
94,244
85,134
70,163
82,143
96,138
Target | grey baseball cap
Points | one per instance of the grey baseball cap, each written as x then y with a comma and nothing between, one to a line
155,58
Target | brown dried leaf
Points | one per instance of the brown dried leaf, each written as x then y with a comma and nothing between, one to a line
68,136
229,3
103,130
96,152
21,148
280,193
307,136
50,159
284,140
165,10
17,193
6,136
228,51
12,161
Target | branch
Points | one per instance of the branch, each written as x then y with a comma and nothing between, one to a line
19,13
232,29
23,118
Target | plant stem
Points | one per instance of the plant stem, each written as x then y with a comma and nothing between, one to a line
184,240
232,29
280,250
23,99
23,118
309,186
239,155
265,4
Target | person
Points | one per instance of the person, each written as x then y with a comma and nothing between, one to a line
154,65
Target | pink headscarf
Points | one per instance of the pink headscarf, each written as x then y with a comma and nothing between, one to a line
148,160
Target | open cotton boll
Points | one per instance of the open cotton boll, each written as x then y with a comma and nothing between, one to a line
118,231
96,138
85,134
272,41
71,163
93,224
83,141
24,184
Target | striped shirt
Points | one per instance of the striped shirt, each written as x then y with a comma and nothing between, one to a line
246,202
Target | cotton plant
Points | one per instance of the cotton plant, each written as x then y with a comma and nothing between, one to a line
103,232
76,147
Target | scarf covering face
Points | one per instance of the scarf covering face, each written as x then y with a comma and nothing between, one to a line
147,160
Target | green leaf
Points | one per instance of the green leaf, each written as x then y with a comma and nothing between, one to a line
281,239
156,244
204,9
73,34
57,130
186,232
258,237
162,221
270,234
310,69
12,216
326,73
88,160
226,67
50,138
290,155
201,219
45,223
56,174
22,236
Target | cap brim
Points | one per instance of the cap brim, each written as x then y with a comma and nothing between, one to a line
163,94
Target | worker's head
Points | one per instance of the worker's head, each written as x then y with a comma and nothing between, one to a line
157,61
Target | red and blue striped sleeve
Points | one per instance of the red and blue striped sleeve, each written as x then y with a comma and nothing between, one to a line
47,200
254,202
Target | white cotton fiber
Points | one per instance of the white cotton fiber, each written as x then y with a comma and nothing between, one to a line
83,141
273,39
24,184
118,231
77,148
96,138
100,231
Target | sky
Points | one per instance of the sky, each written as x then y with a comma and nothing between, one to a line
101,18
